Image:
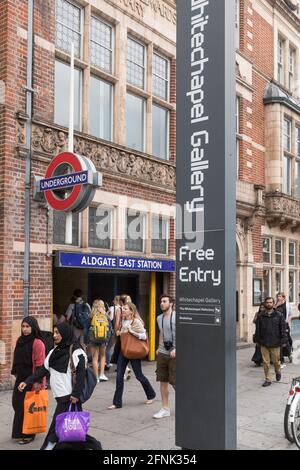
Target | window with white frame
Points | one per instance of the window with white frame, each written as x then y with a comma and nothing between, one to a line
278,251
287,175
136,58
160,70
62,95
292,253
159,235
237,130
278,282
287,126
100,227
267,286
237,24
298,141
292,286
297,178
68,26
160,131
292,55
101,45
135,222
59,228
135,122
101,108
280,60
267,243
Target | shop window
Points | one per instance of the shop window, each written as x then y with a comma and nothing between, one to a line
267,250
292,253
292,286
278,282
278,251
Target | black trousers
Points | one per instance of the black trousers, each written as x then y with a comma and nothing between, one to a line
18,406
62,406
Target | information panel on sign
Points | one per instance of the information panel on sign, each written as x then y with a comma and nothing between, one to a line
205,252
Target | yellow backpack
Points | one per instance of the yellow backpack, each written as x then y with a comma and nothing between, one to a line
99,329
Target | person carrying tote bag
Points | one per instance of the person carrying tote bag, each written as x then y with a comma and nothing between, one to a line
132,324
29,356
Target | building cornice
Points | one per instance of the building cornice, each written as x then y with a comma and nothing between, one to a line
286,11
119,162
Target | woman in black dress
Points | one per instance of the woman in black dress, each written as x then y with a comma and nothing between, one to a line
29,355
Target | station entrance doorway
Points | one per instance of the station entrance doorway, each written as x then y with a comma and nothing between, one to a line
107,286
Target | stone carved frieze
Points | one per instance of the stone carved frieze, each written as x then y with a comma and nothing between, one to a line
109,159
283,204
282,210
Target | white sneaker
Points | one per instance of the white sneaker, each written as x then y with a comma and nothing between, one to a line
103,378
162,413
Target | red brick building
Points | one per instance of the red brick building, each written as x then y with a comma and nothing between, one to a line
124,122
268,180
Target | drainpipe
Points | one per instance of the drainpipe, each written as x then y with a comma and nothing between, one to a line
29,96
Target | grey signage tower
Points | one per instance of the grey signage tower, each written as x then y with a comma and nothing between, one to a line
206,175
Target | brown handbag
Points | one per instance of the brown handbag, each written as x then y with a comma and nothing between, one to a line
133,347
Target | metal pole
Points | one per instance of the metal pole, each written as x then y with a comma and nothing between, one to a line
69,218
29,92
152,317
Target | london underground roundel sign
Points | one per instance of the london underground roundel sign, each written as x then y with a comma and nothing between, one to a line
70,182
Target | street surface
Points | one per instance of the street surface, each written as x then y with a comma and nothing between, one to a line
260,413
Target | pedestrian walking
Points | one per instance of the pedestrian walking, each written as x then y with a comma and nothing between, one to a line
58,317
64,389
78,315
29,356
257,357
100,335
285,309
134,325
114,310
270,334
166,353
123,300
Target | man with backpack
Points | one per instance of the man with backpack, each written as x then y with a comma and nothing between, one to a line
78,315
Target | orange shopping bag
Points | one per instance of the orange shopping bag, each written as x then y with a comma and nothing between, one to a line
35,412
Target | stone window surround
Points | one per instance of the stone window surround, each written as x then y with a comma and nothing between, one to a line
288,45
293,152
118,78
284,268
275,116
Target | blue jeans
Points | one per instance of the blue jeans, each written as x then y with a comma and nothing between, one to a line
137,369
109,349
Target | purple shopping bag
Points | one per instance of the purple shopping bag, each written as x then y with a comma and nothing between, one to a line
72,426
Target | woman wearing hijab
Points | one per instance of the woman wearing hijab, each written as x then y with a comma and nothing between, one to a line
58,364
29,356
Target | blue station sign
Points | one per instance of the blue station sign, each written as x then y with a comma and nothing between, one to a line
95,261
64,181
